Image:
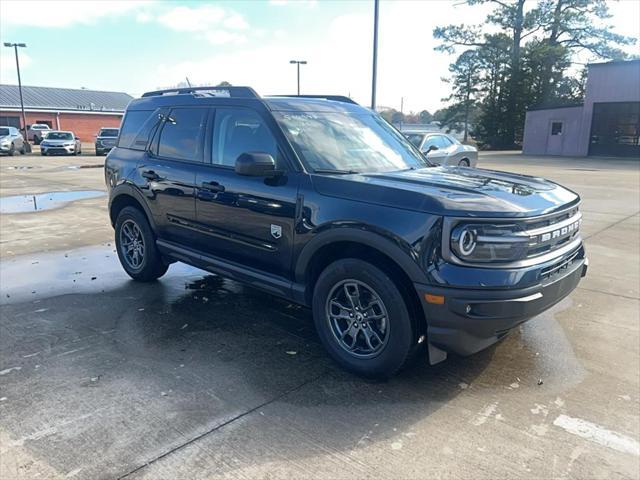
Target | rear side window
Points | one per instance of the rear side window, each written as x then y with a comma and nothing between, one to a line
181,134
136,128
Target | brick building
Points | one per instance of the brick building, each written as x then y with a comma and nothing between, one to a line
83,111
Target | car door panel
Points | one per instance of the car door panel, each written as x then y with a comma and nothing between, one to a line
249,220
168,172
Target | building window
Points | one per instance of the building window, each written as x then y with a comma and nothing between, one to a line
10,121
556,128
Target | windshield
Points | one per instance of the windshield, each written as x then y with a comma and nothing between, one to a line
40,127
4,132
108,132
348,142
59,136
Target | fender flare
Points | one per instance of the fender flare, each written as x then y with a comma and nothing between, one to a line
126,189
393,247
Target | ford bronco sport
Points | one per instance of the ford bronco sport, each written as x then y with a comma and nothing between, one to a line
320,201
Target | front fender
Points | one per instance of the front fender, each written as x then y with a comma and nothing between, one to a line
385,242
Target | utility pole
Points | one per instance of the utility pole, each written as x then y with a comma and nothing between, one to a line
24,117
401,112
375,54
298,63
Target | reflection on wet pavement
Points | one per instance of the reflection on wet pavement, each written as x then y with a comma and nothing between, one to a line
44,201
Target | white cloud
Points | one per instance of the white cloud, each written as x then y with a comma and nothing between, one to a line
186,19
63,13
8,73
222,37
282,3
236,22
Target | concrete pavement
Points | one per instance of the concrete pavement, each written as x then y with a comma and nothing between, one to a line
199,377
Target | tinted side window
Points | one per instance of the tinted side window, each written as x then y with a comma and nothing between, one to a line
135,129
181,134
239,130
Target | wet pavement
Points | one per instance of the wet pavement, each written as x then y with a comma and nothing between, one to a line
195,376
44,201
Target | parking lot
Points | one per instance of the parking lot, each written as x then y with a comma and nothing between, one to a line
196,376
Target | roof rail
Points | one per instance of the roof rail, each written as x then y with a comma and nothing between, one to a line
235,92
334,98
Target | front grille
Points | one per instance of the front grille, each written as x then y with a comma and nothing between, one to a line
560,265
552,232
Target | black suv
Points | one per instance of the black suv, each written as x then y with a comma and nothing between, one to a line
320,201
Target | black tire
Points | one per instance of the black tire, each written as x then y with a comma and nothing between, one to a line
99,154
400,331
42,153
23,150
151,266
12,150
463,163
36,140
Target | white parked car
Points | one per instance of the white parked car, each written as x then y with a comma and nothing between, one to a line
11,141
37,132
65,143
444,149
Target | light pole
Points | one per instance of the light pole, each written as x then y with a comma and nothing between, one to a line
298,63
375,54
24,117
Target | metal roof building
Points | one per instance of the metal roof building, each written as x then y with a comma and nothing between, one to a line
63,99
79,110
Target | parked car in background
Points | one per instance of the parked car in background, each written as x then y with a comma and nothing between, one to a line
58,142
37,132
106,140
11,141
444,149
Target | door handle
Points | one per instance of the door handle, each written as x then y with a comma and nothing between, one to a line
213,186
150,175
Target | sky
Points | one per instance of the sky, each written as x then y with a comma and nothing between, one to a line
135,46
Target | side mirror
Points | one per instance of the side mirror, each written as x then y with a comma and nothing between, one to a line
255,164
432,148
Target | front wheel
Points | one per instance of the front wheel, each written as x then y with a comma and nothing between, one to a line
362,318
12,150
136,246
463,163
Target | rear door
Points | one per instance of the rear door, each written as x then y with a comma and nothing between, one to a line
248,220
168,171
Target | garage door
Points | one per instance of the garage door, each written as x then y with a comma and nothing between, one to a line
615,129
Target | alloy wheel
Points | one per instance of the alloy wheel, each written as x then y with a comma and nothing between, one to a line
357,318
132,244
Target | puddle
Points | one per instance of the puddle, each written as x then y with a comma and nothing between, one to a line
44,201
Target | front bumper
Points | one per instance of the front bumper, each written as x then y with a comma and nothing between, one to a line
470,320
5,147
62,150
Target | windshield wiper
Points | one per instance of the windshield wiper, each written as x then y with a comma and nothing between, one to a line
336,171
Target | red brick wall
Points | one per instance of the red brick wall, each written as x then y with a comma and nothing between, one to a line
84,125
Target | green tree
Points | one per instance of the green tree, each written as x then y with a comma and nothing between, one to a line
465,80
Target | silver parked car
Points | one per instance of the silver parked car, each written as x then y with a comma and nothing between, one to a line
57,142
11,141
444,149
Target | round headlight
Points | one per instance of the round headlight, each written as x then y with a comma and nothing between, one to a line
467,241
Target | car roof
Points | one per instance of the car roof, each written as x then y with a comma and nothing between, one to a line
244,96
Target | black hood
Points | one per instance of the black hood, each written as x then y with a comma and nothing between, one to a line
464,192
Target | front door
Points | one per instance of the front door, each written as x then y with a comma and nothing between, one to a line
555,137
168,172
248,220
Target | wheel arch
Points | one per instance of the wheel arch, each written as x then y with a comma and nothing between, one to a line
365,245
126,196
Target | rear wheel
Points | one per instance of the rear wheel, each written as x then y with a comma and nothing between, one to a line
362,318
136,246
